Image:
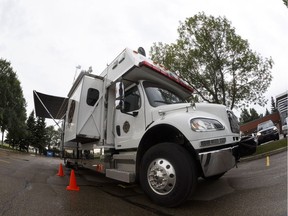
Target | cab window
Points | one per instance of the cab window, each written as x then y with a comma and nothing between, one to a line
132,100
158,95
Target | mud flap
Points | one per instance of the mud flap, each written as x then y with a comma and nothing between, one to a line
247,146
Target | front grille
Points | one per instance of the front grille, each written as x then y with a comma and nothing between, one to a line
270,131
234,124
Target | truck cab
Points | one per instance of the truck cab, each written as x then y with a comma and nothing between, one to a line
161,136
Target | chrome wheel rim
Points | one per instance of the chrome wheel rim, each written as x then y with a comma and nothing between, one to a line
161,176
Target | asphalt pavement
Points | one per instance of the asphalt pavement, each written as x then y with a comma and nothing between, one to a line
29,185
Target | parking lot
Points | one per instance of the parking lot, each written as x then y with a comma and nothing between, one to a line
29,185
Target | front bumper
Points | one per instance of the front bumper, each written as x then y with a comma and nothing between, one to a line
268,137
218,161
221,160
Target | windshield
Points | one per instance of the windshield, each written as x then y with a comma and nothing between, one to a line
264,125
158,95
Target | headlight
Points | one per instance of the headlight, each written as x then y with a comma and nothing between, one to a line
204,124
258,134
275,129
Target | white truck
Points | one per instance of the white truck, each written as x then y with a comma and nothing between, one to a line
137,113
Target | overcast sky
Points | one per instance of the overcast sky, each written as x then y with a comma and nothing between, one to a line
46,39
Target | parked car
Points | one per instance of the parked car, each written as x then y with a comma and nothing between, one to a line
284,127
267,131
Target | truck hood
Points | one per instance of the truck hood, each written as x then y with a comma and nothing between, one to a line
170,114
181,114
203,109
173,107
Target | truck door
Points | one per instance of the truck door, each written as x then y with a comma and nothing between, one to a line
130,121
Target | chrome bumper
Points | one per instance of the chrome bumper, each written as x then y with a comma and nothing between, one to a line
217,161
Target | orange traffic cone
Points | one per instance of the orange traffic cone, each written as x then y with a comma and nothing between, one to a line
60,172
72,184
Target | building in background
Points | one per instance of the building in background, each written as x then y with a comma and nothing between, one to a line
251,127
282,105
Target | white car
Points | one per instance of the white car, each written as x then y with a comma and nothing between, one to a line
284,127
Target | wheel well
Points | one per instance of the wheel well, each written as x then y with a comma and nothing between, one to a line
160,134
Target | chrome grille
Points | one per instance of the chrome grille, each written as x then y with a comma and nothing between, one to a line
270,131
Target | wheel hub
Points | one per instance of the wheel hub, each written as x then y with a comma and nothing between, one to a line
161,176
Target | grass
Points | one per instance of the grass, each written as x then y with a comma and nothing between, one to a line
271,146
5,146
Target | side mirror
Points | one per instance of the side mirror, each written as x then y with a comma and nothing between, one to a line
119,95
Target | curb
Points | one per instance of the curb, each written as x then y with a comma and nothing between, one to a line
255,157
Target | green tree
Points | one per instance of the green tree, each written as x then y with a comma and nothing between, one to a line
40,134
12,103
16,137
216,62
273,105
253,114
285,3
244,116
31,131
267,112
247,116
53,137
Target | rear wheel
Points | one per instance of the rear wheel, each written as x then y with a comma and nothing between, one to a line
168,174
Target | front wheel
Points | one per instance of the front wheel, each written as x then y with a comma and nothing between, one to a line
168,174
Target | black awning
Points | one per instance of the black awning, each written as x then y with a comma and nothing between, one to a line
49,106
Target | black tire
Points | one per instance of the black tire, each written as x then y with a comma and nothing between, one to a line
214,177
171,165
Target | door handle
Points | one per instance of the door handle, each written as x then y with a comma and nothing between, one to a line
118,130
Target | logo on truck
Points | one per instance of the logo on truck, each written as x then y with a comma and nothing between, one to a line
126,127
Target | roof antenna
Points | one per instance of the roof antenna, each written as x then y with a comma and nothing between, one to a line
78,67
141,51
90,70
